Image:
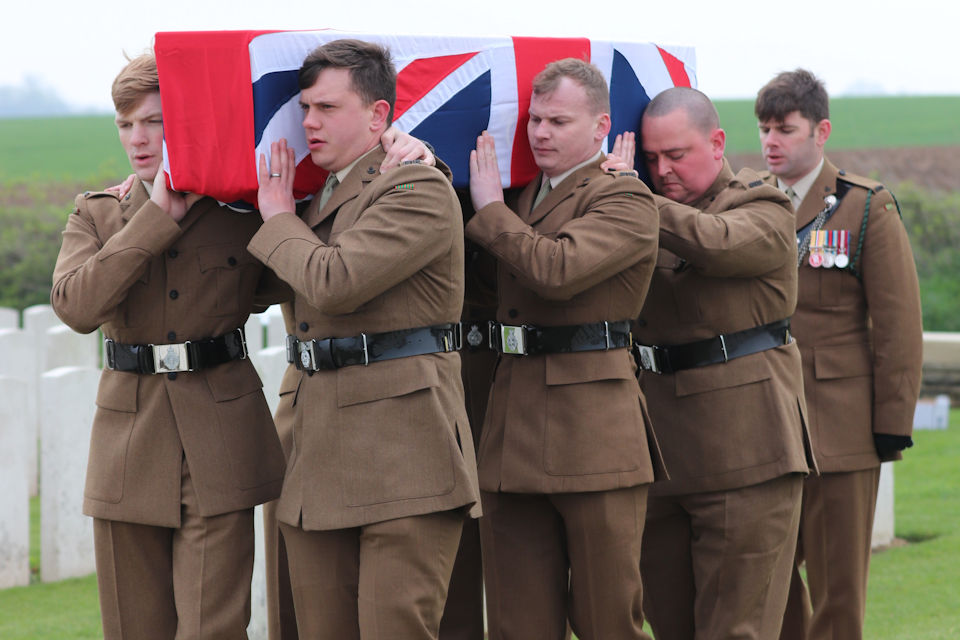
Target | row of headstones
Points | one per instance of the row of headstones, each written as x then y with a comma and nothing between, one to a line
56,398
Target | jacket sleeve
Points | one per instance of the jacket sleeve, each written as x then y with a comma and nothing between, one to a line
618,229
893,302
410,224
92,275
747,232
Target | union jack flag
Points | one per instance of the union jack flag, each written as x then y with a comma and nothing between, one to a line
228,94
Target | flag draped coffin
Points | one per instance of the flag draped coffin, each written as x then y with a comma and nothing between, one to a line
228,94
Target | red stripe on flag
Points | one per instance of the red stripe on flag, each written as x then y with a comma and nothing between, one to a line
419,77
205,90
676,69
532,55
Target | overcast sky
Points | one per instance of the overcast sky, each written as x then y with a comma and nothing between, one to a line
877,47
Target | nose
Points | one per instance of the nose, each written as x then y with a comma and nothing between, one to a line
664,166
139,134
540,130
309,122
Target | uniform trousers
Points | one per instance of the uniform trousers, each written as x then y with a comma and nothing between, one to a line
836,528
718,563
386,580
281,618
550,557
185,583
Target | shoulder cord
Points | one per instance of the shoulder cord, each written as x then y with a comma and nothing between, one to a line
863,232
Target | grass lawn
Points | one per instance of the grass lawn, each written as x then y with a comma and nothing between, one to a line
914,589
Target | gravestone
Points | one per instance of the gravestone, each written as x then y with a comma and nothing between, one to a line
9,318
64,347
14,494
19,361
883,515
67,408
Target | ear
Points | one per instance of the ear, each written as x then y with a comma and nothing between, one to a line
718,143
378,115
821,132
603,127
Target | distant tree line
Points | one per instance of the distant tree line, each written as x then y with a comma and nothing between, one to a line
31,226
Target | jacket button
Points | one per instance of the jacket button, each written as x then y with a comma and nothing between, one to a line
171,335
304,326
513,313
173,253
174,294
232,261
172,375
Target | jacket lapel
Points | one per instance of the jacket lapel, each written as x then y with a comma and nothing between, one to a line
824,185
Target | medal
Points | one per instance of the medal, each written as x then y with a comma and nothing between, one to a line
816,249
843,250
830,250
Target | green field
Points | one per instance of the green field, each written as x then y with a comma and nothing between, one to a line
84,149
861,123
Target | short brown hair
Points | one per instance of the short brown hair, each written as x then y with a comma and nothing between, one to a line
372,74
700,110
580,71
137,79
791,91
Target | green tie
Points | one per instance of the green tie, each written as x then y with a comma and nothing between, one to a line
328,188
544,190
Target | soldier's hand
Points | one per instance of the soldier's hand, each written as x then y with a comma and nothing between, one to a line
123,188
485,186
176,204
275,194
621,157
402,147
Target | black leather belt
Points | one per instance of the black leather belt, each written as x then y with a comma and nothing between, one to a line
169,358
333,353
526,340
722,348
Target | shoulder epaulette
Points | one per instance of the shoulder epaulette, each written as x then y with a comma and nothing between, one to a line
860,181
100,194
755,183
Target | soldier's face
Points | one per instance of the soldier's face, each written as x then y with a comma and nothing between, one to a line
683,161
563,130
793,147
339,126
141,134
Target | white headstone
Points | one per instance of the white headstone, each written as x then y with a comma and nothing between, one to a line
271,364
257,629
38,318
255,332
883,516
932,413
64,347
941,348
67,408
276,330
19,361
9,318
14,494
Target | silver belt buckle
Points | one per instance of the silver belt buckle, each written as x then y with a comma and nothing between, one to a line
170,358
308,357
513,339
648,358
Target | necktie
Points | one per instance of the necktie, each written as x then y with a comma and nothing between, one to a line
328,188
794,198
544,190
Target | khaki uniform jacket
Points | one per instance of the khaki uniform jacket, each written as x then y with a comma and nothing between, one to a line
727,263
861,340
392,439
569,422
128,268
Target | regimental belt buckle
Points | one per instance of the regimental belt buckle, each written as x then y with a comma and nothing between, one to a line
648,358
307,355
474,336
170,358
513,339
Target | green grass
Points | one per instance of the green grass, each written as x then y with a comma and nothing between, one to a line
71,149
914,589
861,123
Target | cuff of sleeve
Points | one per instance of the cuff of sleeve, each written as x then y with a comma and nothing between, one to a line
276,231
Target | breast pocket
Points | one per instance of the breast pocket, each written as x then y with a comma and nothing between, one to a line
229,272
396,440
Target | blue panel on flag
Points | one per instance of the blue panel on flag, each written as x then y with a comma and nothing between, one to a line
271,92
628,99
454,127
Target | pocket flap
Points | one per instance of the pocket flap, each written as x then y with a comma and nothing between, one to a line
588,366
386,379
224,256
232,380
722,376
118,391
844,361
